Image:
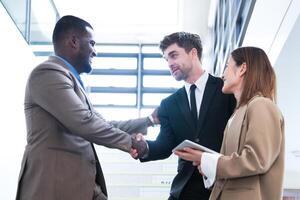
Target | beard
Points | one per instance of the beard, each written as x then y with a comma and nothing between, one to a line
87,68
179,75
84,63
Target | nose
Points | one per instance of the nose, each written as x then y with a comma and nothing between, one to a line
171,64
94,52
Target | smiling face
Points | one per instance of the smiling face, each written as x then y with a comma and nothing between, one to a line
233,77
179,62
86,50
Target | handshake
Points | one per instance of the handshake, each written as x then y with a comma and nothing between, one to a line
139,147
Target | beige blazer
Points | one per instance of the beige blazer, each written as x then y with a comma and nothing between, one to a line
253,145
59,162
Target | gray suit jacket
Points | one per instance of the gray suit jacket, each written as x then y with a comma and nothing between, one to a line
59,161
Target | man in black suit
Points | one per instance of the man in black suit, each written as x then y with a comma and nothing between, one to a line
198,112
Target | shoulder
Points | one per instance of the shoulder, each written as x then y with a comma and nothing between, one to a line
52,64
51,67
262,106
260,101
171,101
50,72
214,80
217,82
181,91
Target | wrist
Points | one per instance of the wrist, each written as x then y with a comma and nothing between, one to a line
151,121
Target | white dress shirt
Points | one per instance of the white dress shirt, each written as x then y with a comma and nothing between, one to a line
200,84
208,166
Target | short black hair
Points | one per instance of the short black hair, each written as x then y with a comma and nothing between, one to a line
185,40
67,24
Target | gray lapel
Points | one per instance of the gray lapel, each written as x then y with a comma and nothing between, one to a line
63,65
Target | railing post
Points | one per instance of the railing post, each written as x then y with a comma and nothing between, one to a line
28,21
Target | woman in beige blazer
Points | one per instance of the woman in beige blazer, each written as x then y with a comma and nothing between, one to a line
251,162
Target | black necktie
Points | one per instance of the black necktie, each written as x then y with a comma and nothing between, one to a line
193,103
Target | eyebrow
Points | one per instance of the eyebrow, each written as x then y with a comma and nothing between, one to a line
172,52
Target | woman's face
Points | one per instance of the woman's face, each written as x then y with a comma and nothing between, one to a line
232,77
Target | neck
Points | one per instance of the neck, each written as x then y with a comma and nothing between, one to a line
195,74
69,59
237,94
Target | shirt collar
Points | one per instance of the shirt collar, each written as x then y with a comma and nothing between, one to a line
200,82
72,69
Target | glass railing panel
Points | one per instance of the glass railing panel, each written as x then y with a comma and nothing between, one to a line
17,11
43,19
34,18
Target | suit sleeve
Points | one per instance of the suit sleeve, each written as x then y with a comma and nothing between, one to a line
53,91
130,126
162,147
133,125
263,142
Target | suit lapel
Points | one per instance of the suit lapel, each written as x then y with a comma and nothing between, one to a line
82,90
233,131
60,63
183,104
62,66
223,147
209,91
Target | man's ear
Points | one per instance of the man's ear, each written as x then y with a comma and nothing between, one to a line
73,42
243,69
194,53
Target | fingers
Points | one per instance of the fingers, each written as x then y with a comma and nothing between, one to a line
183,154
192,151
133,153
189,154
196,163
180,153
139,146
140,137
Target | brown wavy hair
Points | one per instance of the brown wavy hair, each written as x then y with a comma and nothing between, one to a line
260,78
185,40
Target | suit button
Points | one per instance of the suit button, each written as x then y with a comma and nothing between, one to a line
197,140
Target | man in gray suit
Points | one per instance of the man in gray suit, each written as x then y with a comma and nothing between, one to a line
60,162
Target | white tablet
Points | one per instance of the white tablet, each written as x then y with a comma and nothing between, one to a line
193,145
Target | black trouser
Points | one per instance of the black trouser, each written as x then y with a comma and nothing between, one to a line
194,189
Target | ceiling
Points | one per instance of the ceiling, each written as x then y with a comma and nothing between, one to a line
120,21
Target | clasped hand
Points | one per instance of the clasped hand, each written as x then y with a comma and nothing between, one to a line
139,148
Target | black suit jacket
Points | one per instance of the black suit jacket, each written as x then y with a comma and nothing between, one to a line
177,125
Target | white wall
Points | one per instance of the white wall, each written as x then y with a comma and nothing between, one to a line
16,61
287,68
270,25
275,27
